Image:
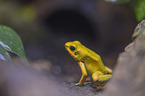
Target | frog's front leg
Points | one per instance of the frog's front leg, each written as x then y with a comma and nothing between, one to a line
99,76
84,73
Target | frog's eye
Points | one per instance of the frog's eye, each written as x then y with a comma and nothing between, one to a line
72,48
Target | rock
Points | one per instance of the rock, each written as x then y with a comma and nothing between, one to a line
128,76
73,90
16,80
25,81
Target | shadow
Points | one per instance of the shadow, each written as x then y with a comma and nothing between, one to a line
71,23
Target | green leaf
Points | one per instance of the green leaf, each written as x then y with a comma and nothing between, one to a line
118,1
139,7
4,55
10,41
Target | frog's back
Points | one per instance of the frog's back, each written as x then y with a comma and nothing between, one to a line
94,63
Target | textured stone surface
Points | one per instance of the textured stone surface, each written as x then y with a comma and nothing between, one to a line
25,81
70,88
129,76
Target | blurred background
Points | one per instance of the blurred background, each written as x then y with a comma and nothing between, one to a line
46,25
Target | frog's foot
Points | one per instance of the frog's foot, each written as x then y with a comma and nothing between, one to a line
85,83
78,84
99,76
108,69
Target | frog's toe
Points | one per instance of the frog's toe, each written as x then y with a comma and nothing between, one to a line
77,84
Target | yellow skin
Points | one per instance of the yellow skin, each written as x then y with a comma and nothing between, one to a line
89,62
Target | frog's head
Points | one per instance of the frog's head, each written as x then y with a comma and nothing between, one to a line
76,49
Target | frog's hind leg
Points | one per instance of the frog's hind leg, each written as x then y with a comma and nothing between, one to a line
99,76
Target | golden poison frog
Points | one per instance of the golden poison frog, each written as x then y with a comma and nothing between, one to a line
90,63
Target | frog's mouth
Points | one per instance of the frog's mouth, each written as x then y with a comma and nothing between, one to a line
66,45
72,50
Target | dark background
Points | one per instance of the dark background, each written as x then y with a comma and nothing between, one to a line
46,25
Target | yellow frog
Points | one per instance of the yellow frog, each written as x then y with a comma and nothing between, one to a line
89,62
